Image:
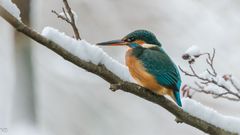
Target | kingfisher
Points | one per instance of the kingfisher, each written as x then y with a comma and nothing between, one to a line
149,64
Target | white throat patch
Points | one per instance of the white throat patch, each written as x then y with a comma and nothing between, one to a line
148,45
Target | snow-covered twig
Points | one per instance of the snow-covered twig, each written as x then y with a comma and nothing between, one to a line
226,86
110,77
212,116
70,17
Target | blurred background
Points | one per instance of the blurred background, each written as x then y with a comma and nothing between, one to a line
42,94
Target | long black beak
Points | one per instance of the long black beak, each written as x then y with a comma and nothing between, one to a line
113,43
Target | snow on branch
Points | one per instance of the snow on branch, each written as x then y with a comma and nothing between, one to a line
58,43
87,52
11,8
209,81
212,116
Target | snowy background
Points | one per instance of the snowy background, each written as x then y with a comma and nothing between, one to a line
68,100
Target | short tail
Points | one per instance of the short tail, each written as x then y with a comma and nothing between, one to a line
177,98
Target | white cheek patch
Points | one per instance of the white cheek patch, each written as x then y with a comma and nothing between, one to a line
148,45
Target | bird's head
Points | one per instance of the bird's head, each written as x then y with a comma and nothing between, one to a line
135,39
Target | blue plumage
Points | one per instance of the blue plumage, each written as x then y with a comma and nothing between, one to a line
178,98
159,64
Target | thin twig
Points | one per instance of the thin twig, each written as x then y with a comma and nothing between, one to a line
185,72
75,29
212,79
210,62
215,95
234,85
69,18
61,17
65,14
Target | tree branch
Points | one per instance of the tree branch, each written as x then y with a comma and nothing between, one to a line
211,78
107,75
69,18
69,10
65,18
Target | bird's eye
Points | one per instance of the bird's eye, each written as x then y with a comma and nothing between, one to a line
131,39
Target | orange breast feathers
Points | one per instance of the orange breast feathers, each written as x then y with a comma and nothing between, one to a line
142,77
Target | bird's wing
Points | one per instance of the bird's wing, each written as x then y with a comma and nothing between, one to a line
158,63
